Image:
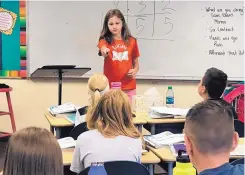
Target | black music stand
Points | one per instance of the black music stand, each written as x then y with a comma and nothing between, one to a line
60,71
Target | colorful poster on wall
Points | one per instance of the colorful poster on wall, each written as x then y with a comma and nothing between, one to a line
13,39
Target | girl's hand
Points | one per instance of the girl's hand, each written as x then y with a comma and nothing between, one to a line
104,51
132,73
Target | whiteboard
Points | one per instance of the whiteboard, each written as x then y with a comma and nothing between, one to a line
176,38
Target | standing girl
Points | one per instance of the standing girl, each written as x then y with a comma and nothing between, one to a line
121,53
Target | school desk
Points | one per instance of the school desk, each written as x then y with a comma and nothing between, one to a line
59,123
145,132
163,121
165,154
148,159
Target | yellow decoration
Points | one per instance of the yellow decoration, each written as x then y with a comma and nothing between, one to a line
7,21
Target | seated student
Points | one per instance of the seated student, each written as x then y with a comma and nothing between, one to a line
210,137
98,84
112,135
213,84
33,151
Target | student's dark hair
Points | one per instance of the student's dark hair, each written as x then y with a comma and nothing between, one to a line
33,151
210,125
106,34
215,82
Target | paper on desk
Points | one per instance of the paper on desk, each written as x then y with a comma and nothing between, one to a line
170,111
239,151
67,142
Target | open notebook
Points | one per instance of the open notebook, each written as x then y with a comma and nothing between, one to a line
163,139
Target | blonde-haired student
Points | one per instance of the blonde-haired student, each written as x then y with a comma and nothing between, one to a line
33,151
98,84
112,135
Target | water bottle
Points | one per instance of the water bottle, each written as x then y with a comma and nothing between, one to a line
183,165
170,97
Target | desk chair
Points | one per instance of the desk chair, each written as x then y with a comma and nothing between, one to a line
10,112
239,127
121,168
77,130
238,161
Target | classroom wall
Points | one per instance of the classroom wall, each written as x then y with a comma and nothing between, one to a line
31,98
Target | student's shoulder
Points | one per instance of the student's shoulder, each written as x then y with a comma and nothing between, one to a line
220,101
88,134
238,169
137,141
225,103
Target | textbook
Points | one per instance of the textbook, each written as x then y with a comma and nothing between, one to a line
163,139
64,108
63,115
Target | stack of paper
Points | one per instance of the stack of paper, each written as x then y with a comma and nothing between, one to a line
163,112
66,142
163,139
65,108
